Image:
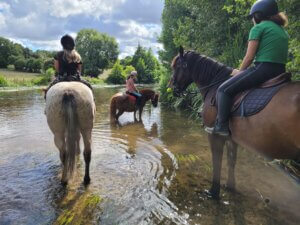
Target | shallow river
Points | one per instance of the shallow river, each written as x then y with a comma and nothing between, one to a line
153,172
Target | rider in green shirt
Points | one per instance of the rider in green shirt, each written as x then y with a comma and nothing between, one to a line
267,48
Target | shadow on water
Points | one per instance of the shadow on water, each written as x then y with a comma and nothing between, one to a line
150,172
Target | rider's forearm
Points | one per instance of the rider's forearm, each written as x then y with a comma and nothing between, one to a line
246,63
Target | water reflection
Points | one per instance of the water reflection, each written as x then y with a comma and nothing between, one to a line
153,172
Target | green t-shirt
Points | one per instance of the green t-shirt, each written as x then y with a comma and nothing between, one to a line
273,42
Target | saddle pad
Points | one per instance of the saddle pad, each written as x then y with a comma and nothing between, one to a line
255,101
132,99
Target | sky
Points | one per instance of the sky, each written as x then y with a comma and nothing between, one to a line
39,24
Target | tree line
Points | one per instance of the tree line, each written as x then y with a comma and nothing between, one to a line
99,51
143,61
219,29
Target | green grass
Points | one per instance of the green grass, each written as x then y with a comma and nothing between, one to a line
10,78
17,79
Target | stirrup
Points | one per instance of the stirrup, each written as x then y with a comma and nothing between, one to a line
220,131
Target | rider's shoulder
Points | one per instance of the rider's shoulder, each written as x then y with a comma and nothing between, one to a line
59,55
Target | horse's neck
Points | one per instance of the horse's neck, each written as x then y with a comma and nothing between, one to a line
208,73
147,95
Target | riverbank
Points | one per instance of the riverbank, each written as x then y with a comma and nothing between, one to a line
14,79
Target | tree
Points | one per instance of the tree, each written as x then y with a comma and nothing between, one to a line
146,64
117,75
5,51
48,63
127,61
128,70
20,64
98,51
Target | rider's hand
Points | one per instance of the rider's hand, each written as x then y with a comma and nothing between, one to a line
235,72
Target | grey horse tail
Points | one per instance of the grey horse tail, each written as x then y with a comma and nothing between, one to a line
71,120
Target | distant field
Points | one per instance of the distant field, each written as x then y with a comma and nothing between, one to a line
15,78
15,75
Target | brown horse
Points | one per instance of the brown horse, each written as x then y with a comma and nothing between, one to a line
121,103
274,131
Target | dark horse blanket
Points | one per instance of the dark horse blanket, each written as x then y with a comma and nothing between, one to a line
254,100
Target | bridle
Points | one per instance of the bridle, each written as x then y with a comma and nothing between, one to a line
183,66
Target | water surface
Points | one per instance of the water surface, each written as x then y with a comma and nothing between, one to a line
151,172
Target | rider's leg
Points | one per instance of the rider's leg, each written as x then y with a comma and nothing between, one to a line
245,80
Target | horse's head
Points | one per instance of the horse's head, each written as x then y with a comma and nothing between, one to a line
149,94
181,77
154,99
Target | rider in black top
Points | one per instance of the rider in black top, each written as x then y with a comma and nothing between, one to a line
68,63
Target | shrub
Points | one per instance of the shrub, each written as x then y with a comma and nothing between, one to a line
117,74
45,78
20,64
3,81
11,67
49,63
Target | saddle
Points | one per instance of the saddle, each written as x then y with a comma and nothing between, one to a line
131,98
252,101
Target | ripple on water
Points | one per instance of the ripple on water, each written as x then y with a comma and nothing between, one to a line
153,172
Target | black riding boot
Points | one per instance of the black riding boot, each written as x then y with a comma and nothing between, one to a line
222,123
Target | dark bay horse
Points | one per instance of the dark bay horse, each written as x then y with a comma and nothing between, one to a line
70,111
121,103
273,132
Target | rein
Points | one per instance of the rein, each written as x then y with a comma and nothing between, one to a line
203,88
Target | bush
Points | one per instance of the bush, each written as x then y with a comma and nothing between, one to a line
49,63
20,64
45,78
93,80
117,75
3,81
11,67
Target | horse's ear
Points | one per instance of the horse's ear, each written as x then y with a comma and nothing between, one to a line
181,51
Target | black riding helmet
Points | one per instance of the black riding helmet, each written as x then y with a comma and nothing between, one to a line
67,42
266,8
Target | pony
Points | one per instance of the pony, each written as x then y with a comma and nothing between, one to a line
273,132
70,111
121,103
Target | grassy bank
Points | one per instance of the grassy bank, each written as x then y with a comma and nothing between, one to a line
18,79
13,79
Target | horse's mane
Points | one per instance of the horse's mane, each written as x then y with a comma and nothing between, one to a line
203,69
147,91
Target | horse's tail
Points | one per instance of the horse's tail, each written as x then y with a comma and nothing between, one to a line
71,120
113,109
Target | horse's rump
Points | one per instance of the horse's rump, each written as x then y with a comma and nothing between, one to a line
70,110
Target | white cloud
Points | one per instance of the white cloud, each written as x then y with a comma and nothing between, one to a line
132,28
40,24
95,8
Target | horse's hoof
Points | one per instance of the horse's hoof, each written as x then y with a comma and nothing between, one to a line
212,194
87,180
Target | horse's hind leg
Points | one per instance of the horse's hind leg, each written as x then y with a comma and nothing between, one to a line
59,140
216,145
77,144
87,140
231,161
